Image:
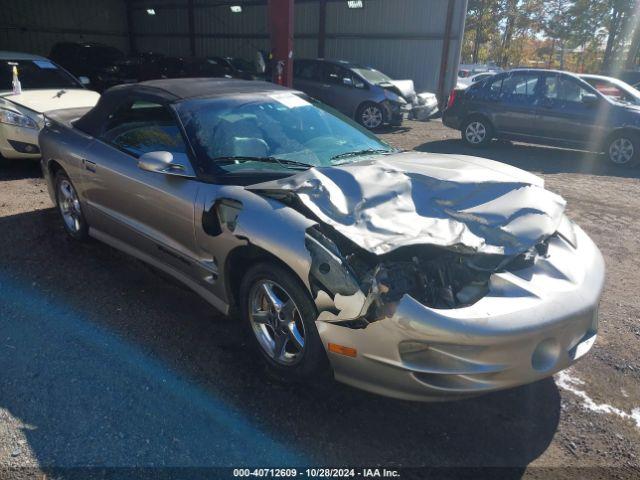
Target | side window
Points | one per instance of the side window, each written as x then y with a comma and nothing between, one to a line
570,90
495,87
519,88
307,71
357,81
143,127
550,87
613,91
335,74
564,89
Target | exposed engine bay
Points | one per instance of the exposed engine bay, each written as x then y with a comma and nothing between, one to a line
436,277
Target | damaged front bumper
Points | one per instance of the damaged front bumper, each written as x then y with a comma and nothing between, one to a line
421,112
532,323
425,107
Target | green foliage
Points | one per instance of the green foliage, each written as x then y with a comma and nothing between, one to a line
580,35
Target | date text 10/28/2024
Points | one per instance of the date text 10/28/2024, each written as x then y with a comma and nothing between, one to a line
316,473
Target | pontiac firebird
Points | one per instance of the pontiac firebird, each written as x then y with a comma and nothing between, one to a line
412,275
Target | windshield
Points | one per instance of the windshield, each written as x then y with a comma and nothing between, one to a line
281,126
35,74
372,76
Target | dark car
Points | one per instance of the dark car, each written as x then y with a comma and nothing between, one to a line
88,59
242,68
546,107
137,67
171,67
203,67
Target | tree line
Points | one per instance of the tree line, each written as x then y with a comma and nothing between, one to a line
578,35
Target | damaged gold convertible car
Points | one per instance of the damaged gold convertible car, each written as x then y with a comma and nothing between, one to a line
413,275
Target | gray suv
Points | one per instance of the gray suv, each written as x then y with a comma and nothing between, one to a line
362,93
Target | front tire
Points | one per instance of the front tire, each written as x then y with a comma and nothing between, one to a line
370,115
280,317
623,150
477,132
69,208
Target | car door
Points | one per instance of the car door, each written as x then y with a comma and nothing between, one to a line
342,89
151,213
512,98
564,115
307,77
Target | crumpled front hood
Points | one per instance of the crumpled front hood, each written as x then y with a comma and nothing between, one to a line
405,87
51,99
464,203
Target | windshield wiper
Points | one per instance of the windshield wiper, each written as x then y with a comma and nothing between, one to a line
357,153
280,161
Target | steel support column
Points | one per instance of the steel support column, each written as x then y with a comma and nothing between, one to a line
192,28
444,61
281,29
322,27
130,33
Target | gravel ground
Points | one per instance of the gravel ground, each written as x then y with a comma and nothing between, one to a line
106,364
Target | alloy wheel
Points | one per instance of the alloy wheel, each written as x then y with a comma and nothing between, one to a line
276,322
69,205
475,133
372,117
621,151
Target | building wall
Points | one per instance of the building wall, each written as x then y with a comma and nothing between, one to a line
33,26
403,38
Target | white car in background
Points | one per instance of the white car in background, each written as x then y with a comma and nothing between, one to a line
44,87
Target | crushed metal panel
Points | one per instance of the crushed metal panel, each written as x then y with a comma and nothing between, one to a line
405,87
464,203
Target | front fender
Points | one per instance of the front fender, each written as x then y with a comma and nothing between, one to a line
253,220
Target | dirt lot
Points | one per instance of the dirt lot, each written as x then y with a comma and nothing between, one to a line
104,363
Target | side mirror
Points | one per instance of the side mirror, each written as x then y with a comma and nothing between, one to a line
166,163
347,82
84,80
589,99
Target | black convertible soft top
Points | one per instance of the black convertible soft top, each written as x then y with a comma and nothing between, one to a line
167,91
182,88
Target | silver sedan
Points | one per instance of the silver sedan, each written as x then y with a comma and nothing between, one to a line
412,275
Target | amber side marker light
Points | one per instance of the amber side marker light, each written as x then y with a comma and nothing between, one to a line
342,350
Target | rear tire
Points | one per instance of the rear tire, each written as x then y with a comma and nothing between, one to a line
286,336
477,132
623,150
69,208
